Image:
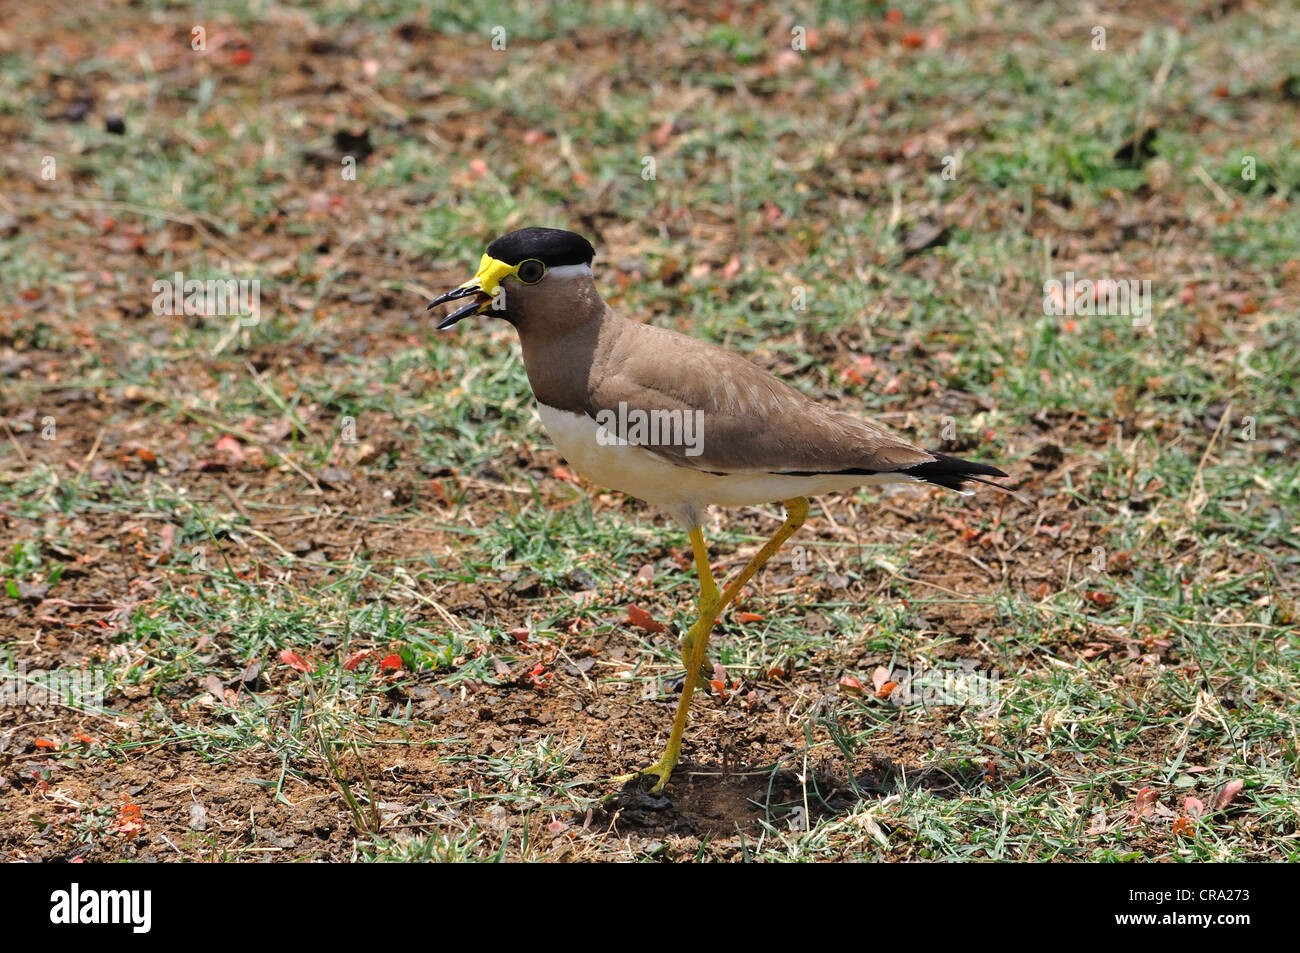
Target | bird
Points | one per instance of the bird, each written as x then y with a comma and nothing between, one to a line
678,422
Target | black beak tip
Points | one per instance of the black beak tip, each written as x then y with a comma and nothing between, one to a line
452,295
456,315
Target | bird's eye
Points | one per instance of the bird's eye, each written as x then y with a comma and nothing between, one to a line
530,272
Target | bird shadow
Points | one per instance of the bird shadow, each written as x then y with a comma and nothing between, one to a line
709,802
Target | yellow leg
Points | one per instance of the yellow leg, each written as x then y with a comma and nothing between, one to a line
711,604
708,600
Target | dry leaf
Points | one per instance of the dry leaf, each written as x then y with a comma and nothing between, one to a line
1227,794
643,620
851,685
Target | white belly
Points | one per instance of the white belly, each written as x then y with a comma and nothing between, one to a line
638,472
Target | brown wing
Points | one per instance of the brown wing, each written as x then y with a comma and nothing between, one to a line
751,422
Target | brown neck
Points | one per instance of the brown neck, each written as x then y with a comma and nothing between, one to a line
562,349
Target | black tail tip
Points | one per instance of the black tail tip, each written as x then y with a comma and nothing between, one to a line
952,472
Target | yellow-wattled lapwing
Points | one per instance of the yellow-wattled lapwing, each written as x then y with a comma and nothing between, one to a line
677,422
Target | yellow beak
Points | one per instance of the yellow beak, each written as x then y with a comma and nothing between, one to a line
486,285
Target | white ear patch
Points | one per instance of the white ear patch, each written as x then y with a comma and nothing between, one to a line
568,271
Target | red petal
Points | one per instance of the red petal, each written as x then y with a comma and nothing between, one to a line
294,661
851,685
643,620
1227,794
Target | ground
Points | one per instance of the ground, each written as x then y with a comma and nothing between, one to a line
347,602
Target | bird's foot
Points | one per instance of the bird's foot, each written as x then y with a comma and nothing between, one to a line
662,770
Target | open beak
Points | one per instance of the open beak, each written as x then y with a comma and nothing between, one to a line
485,287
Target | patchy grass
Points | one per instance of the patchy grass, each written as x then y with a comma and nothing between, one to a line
345,599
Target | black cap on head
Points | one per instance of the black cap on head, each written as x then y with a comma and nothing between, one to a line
552,246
